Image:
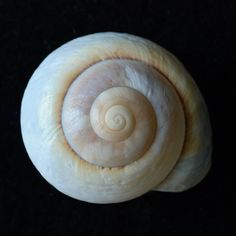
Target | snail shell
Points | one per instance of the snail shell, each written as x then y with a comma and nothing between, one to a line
108,117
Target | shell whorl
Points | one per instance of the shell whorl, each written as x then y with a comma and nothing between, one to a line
117,123
110,119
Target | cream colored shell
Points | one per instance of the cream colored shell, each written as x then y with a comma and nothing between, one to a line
108,117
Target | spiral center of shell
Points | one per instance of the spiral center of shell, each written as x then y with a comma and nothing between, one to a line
110,116
115,121
116,117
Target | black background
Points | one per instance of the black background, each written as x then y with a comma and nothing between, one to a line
200,34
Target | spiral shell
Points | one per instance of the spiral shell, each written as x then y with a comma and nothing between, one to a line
108,117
